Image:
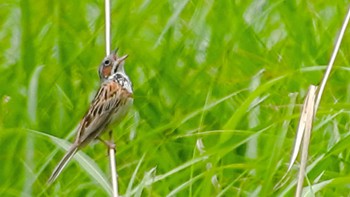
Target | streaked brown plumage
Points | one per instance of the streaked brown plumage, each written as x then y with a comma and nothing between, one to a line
109,106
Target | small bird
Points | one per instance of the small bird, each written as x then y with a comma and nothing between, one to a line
110,104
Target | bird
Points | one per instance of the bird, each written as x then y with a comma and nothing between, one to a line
109,106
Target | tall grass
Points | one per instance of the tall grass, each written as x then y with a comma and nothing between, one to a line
218,90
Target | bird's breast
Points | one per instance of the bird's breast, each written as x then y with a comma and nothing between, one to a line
122,110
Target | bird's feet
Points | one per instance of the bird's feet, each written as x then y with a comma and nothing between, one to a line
110,144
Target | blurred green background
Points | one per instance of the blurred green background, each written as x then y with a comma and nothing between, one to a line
218,89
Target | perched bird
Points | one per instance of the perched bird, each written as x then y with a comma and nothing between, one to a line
109,106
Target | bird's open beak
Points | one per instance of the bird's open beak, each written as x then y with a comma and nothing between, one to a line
115,56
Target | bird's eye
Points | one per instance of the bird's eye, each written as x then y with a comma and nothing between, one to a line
106,62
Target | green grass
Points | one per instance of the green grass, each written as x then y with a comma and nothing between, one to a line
218,89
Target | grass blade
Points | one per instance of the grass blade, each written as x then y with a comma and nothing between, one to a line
307,117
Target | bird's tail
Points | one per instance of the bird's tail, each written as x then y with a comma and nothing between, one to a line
66,158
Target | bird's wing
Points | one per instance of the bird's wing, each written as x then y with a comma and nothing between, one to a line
106,102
